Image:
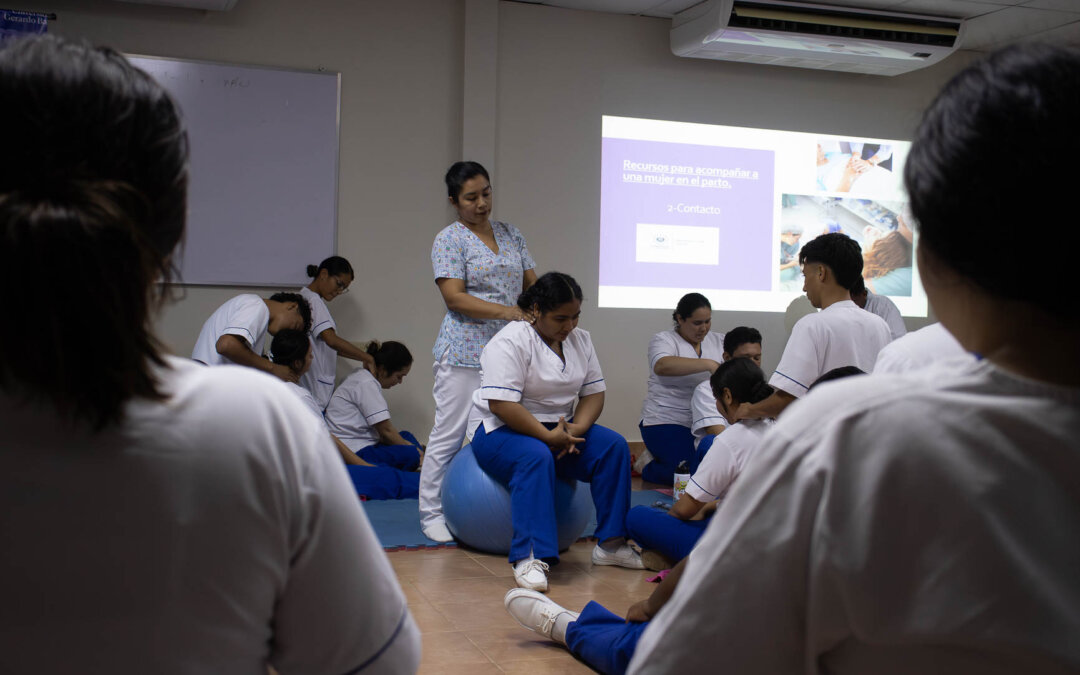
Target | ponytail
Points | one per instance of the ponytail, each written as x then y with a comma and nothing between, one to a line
550,291
390,356
743,379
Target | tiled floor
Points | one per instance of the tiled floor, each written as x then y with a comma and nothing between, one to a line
456,597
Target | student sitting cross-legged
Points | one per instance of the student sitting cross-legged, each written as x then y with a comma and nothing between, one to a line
541,392
293,349
668,536
359,415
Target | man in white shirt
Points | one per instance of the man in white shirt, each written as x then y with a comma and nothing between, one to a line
839,335
919,349
926,522
236,331
880,305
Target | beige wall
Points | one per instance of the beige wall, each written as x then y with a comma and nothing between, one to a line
557,71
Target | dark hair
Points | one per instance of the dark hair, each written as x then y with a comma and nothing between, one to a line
737,337
859,287
1021,104
550,291
742,378
837,374
93,184
460,172
390,356
839,252
334,265
688,304
289,346
301,304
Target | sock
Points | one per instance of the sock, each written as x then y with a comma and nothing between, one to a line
558,633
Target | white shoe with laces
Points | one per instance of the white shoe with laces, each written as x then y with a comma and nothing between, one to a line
531,573
624,556
538,613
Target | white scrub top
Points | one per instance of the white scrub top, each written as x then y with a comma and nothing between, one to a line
246,316
319,379
704,412
668,397
307,399
892,524
886,309
355,408
213,532
726,459
842,334
517,365
919,349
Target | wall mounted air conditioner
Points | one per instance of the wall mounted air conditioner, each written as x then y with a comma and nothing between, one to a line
215,5
814,36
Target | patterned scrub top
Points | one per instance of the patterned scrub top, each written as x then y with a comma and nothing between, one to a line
496,277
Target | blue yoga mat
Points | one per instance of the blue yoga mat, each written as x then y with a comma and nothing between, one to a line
397,522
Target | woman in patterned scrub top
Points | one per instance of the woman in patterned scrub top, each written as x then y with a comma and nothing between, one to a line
481,266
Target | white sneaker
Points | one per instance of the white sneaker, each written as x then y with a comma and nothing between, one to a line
531,573
537,612
438,532
624,556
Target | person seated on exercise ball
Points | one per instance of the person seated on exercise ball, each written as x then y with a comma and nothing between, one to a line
540,395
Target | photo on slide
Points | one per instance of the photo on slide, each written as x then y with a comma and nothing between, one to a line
877,226
853,166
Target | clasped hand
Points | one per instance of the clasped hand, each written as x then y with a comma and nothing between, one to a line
562,441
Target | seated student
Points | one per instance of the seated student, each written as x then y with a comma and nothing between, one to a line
919,349
739,342
839,335
669,535
603,640
925,523
541,392
374,480
155,517
359,416
329,279
235,332
679,359
879,305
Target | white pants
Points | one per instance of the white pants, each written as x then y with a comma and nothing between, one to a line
453,390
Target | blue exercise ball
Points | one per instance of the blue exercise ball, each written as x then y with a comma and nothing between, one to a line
477,507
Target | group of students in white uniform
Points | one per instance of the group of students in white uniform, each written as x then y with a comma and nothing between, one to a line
922,522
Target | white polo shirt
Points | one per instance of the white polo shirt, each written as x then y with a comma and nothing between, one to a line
886,309
704,412
517,365
920,349
842,334
319,379
213,532
246,316
668,397
892,524
307,399
726,459
355,408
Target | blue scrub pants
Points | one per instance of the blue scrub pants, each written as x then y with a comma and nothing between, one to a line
527,465
404,457
603,640
384,482
657,530
701,451
669,444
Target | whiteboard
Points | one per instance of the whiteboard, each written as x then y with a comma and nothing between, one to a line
262,200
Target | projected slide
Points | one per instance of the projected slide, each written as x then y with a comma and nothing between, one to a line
724,211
